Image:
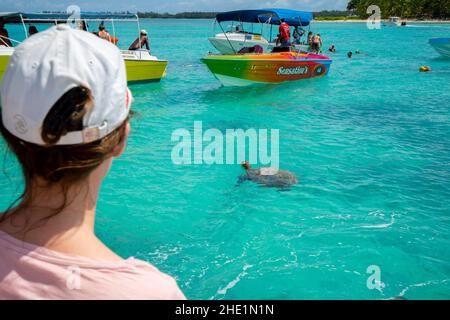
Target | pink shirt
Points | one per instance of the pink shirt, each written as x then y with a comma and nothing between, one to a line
31,272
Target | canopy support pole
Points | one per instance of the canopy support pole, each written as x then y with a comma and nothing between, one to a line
271,30
24,26
139,30
227,38
114,28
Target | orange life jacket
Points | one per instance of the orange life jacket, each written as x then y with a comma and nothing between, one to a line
106,36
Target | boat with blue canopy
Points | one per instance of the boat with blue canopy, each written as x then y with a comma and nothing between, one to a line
140,64
241,33
441,45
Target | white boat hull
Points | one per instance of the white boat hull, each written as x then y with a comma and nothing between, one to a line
394,22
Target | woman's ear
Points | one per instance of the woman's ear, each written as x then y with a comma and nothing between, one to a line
120,149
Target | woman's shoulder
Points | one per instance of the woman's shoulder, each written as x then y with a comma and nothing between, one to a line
141,280
129,279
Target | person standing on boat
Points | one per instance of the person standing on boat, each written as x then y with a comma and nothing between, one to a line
65,132
298,34
285,33
310,39
141,42
317,43
4,36
102,33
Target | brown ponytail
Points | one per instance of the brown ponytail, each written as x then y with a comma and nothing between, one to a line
66,115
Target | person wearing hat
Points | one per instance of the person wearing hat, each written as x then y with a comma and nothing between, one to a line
141,42
65,107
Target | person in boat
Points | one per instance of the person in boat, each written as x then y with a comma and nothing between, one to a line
32,30
141,42
65,132
278,40
4,36
83,26
268,177
102,33
310,39
298,34
317,44
285,34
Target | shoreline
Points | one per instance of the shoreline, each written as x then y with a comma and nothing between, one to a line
382,21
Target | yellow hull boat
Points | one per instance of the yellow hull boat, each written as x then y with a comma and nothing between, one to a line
145,71
141,66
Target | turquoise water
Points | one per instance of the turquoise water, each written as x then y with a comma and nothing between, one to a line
370,144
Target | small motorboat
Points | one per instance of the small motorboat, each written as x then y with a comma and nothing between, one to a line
271,68
395,22
140,64
441,45
261,21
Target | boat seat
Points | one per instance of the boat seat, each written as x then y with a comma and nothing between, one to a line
255,49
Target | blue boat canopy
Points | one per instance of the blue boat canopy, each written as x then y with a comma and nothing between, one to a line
270,15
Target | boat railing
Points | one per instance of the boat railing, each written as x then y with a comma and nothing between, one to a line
76,22
4,43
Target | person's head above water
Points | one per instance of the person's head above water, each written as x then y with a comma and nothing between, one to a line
350,54
72,124
246,165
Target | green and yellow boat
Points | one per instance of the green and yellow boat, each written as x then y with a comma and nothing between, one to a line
140,64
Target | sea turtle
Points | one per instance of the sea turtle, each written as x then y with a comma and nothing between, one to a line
268,177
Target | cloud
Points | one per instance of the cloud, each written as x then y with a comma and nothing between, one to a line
173,6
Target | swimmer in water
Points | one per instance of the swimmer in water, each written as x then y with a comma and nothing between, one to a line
268,177
350,54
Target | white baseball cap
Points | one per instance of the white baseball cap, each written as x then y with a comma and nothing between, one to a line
47,65
143,31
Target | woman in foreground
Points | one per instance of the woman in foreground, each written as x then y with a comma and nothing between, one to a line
65,107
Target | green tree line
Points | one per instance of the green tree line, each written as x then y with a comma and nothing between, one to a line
211,15
181,15
437,9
